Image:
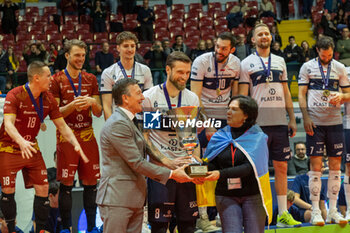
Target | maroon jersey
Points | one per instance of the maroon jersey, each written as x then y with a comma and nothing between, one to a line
62,89
27,122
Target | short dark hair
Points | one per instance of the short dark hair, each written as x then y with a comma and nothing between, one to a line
68,45
53,187
126,35
177,36
120,88
291,37
36,67
228,36
177,56
325,42
249,108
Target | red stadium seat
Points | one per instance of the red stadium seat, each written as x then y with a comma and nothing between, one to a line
190,29
40,37
116,18
130,17
85,27
161,35
113,36
159,7
73,19
161,15
175,23
87,38
221,28
207,33
205,22
190,34
100,37
49,10
36,28
176,15
67,27
32,10
238,30
190,22
51,28
220,22
177,7
54,37
161,24
130,25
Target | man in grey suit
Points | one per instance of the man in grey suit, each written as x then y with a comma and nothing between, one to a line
122,191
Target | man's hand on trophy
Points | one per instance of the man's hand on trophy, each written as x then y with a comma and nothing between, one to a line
180,175
176,163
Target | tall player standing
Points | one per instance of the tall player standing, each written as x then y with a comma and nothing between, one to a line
127,67
77,95
319,100
214,78
264,76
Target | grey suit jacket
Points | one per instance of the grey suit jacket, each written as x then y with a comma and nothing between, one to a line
124,166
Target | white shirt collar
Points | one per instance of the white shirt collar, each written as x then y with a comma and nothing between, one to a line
128,113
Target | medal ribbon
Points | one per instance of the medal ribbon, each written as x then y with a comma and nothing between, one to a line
76,93
39,110
325,79
266,71
124,72
168,98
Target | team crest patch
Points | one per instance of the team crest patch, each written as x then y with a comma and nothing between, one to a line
151,120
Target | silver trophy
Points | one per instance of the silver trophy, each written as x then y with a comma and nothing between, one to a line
184,120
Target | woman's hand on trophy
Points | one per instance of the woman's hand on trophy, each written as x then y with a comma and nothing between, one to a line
213,175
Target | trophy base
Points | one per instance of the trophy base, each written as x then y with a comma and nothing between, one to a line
196,170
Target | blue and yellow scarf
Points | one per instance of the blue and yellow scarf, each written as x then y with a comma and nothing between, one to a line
253,144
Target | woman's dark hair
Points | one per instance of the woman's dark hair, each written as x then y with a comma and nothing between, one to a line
249,108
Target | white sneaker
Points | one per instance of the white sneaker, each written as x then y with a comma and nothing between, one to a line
334,216
347,215
204,224
316,218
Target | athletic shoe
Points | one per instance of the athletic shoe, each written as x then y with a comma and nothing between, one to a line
316,218
347,215
218,221
334,216
286,220
94,230
204,224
